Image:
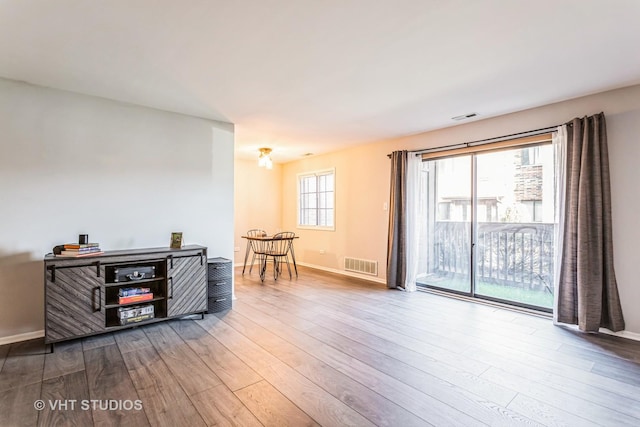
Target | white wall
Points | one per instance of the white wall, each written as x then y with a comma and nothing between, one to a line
362,185
623,131
126,175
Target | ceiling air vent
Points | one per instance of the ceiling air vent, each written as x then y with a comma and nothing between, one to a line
464,116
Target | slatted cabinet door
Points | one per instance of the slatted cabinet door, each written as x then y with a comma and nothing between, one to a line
75,302
187,285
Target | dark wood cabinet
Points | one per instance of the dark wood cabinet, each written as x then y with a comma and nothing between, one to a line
74,303
83,295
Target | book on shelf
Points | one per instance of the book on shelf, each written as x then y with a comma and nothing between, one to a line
81,251
127,292
76,246
134,311
77,250
136,319
76,254
135,298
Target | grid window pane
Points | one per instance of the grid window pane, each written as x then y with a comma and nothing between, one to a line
316,200
329,181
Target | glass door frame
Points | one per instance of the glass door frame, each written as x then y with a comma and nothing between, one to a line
473,232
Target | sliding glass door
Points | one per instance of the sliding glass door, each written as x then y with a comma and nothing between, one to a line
514,250
490,225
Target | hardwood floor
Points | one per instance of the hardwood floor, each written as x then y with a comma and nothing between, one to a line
329,350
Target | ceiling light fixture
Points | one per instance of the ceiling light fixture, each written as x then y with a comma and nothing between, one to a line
264,160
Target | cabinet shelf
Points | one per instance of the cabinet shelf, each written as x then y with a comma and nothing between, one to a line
134,283
117,325
147,301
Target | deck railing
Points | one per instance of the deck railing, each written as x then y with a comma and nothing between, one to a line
511,254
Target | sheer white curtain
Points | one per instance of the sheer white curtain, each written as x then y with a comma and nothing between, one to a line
559,142
415,219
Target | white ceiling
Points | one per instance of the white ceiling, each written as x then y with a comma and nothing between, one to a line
312,76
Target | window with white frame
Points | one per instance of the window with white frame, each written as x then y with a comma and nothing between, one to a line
316,200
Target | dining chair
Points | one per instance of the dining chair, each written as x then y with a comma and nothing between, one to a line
291,251
279,250
253,246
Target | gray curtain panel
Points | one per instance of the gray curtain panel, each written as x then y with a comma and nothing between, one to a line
396,243
587,289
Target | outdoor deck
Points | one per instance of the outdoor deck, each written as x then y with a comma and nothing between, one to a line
514,261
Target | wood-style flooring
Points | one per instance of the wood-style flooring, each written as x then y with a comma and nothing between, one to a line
329,350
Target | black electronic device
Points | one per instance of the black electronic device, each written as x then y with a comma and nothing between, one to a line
130,274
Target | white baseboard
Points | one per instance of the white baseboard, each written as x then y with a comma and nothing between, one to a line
623,334
22,337
331,270
241,264
344,273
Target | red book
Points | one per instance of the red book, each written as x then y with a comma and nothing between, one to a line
68,246
135,298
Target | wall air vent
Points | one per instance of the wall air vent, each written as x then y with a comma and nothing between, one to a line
361,266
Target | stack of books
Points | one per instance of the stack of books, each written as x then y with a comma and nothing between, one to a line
79,250
129,295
